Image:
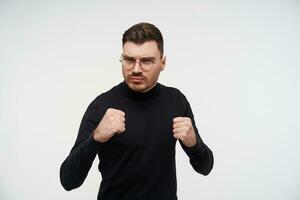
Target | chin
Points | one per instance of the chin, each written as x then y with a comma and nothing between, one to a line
138,87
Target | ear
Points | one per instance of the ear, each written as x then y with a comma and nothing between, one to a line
163,63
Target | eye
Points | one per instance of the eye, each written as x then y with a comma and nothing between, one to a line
147,61
129,60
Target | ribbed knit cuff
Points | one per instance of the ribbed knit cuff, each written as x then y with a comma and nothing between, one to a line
92,143
197,150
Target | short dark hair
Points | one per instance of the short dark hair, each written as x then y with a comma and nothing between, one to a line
143,32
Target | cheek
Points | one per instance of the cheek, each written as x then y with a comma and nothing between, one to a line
153,76
125,73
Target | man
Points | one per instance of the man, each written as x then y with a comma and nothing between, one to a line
133,128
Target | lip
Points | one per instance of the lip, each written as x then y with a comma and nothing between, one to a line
136,78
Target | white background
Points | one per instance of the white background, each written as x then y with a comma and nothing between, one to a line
236,61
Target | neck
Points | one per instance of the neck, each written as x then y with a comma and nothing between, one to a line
148,94
148,89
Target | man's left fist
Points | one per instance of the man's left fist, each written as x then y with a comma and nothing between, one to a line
184,131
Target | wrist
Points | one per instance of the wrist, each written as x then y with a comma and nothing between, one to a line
98,137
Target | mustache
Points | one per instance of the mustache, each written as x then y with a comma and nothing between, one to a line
136,76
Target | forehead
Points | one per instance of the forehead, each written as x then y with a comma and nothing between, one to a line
146,49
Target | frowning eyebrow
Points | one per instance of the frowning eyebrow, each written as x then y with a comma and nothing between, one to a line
146,57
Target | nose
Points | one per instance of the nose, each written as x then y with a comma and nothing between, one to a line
137,67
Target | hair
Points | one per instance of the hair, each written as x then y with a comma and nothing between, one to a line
143,32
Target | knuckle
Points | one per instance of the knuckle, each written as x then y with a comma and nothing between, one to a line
109,110
109,113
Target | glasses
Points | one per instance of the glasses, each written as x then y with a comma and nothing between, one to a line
146,63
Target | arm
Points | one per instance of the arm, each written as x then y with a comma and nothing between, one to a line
76,166
201,157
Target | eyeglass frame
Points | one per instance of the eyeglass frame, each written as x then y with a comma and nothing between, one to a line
137,60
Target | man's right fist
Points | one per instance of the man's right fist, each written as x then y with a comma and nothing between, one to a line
112,122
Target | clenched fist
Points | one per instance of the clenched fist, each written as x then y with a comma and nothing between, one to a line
184,131
112,122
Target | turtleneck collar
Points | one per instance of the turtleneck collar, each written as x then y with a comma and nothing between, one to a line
128,92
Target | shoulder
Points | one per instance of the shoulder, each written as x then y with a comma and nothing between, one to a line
104,98
173,93
175,99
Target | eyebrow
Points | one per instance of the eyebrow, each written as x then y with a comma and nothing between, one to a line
146,57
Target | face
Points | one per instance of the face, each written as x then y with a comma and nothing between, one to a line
136,78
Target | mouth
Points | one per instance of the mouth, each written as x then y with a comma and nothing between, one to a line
136,79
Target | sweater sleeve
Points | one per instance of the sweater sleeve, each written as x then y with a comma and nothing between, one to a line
200,156
76,166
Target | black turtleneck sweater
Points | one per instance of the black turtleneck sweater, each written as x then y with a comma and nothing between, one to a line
138,164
